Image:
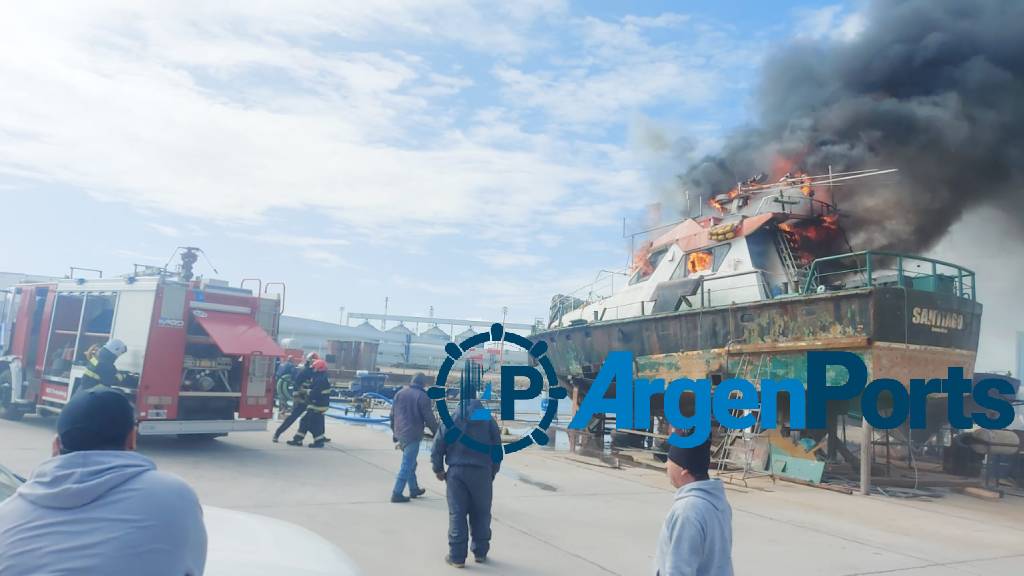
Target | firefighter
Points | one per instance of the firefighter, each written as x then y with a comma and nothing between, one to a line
319,402
300,395
100,369
306,372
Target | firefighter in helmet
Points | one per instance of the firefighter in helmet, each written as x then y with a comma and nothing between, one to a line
300,396
319,402
100,369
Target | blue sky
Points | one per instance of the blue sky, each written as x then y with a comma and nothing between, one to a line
445,153
453,154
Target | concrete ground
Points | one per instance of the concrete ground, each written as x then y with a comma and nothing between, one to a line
555,515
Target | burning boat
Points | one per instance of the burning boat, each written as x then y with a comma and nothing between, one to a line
747,290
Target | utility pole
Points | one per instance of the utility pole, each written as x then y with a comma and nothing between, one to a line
384,321
341,315
866,455
501,346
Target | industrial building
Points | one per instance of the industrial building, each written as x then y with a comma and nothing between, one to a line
409,341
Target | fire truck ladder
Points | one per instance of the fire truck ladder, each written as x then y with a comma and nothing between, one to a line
794,273
743,442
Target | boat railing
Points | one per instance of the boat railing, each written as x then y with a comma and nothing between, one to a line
873,268
812,207
602,287
706,297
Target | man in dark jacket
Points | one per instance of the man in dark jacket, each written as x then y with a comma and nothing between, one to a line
410,413
319,401
470,479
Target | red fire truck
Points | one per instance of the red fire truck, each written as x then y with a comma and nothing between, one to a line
200,356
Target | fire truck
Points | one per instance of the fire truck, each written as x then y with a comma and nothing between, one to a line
200,357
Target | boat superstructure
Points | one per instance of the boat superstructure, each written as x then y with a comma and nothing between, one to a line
757,244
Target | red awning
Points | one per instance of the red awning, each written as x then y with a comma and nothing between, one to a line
237,334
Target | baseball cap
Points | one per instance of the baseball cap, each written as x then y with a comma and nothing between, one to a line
96,419
696,460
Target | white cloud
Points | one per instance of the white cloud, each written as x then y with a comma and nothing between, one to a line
325,258
616,69
851,26
833,22
584,96
506,259
227,114
665,20
292,240
137,256
163,229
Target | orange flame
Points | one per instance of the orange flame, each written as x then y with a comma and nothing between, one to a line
811,239
642,261
717,205
699,262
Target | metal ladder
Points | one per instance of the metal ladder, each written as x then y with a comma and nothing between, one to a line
747,435
794,273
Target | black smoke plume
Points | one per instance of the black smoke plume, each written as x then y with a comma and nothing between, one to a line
934,88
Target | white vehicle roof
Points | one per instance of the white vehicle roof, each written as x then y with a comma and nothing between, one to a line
244,544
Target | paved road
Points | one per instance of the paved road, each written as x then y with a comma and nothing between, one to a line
558,516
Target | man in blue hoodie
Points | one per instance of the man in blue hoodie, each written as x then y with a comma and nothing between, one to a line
696,539
469,479
98,507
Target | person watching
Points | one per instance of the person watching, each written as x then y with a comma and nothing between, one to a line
99,507
696,538
411,412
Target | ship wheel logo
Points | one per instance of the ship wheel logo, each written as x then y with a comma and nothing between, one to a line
538,350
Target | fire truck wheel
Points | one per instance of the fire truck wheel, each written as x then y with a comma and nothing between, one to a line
7,411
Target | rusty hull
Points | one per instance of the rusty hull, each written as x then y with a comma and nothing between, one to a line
770,339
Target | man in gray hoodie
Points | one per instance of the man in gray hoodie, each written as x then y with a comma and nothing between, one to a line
411,412
98,507
696,539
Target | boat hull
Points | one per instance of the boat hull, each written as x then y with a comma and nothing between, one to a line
898,333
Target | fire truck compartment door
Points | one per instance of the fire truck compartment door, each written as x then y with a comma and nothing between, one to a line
236,334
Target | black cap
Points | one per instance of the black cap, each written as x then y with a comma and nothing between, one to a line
696,460
95,419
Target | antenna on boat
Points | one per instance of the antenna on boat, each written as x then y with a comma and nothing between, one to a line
834,203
